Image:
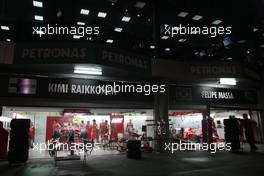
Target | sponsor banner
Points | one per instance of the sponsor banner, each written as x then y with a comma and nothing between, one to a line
79,53
196,70
82,89
212,95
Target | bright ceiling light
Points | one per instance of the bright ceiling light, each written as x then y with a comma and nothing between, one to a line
216,22
84,12
109,41
167,49
38,18
197,17
8,40
152,47
6,28
118,29
229,58
255,29
165,37
182,40
228,81
261,46
80,23
91,70
140,5
76,36
183,14
102,14
126,18
37,4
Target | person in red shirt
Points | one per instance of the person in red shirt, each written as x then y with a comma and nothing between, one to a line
129,128
94,131
3,141
88,130
249,125
31,134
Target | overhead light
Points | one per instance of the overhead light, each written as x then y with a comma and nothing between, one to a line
229,58
197,17
80,23
118,29
109,41
216,22
37,4
261,46
126,18
228,81
77,36
38,18
182,40
165,37
8,40
183,14
140,5
6,28
88,70
167,49
255,29
152,47
102,14
138,15
84,12
241,41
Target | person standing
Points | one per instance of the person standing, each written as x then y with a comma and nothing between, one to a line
31,134
3,141
94,131
249,126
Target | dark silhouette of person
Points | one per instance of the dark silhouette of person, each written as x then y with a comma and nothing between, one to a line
249,125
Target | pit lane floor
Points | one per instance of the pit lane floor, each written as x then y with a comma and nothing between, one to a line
186,163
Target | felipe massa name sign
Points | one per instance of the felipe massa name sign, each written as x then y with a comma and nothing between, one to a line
214,95
74,53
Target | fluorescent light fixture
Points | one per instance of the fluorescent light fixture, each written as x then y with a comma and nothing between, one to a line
84,12
261,46
6,28
38,18
216,22
126,18
241,41
197,17
76,36
229,58
118,29
152,47
8,40
37,4
182,40
80,23
88,70
255,29
165,37
140,5
109,41
228,81
117,120
183,14
167,49
102,14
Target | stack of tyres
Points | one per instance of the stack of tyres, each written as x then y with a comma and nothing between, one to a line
134,149
232,133
19,141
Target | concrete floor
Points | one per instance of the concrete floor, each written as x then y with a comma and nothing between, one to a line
180,163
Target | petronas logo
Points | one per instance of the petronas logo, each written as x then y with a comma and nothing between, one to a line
183,93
